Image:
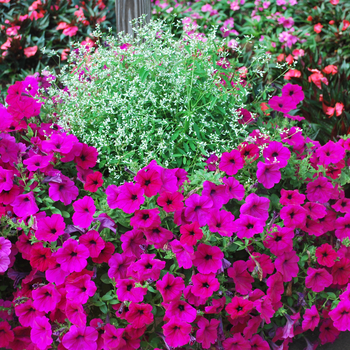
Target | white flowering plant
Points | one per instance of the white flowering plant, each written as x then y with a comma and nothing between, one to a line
152,96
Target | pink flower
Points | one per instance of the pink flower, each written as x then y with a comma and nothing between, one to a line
282,104
341,316
256,206
258,343
177,332
197,208
170,287
319,190
30,51
190,233
87,157
222,221
239,307
293,216
342,226
170,202
145,268
182,310
341,272
126,291
318,279
207,333
287,265
279,239
93,181
276,153
268,174
75,313
80,289
149,181
204,285
37,162
24,205
318,28
217,193
139,315
4,262
184,254
72,256
264,307
119,264
326,255
64,191
237,342
84,209
129,197
241,277
311,319
113,337
46,298
234,188
330,153
291,197
6,334
41,332
208,259
6,179
231,162
247,226
145,219
50,228
80,338
92,241
295,92
5,246
26,313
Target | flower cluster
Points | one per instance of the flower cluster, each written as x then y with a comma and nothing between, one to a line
251,252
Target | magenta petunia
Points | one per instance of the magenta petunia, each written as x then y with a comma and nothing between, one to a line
139,315
318,279
170,287
268,174
87,157
182,310
113,337
279,239
293,216
126,291
239,307
247,226
149,181
282,104
170,201
326,255
132,242
276,153
80,338
37,162
93,182
341,272
41,332
25,205
84,210
330,153
204,285
7,197
145,268
81,289
222,221
241,277
158,236
26,313
118,265
72,256
264,307
237,342
315,210
177,332
112,192
291,197
234,188
258,343
41,257
340,316
217,193
208,332
231,162
6,334
198,208
287,265
216,307
46,298
256,206
49,228
311,319
319,190
295,92
75,313
4,262
59,143
190,233
6,179
259,261
145,219
342,227
208,259
64,190
184,253
92,241
5,246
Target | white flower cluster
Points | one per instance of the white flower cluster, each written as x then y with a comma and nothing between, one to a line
150,97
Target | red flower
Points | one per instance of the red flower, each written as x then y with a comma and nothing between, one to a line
139,315
93,181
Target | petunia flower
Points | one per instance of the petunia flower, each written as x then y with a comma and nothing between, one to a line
237,342
340,316
6,179
241,277
190,233
93,182
295,92
158,236
318,279
126,291
139,315
221,221
170,287
293,216
118,265
207,333
25,205
37,162
264,261
177,332
26,313
311,319
49,228
258,343
341,272
342,227
216,307
113,337
208,259
326,255
276,153
204,285
279,239
182,310
319,190
328,333
132,241
80,338
170,202
72,256
234,188
92,241
145,268
130,198
41,257
84,210
5,246
80,289
184,253
239,307
150,181
145,219
41,332
268,174
198,208
6,334
46,298
75,313
256,206
287,265
264,307
7,197
87,157
247,226
64,191
330,153
217,193
231,162
282,104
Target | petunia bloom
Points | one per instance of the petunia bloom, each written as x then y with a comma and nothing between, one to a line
84,209
177,332
208,259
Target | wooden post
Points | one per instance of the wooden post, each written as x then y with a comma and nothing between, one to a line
127,10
